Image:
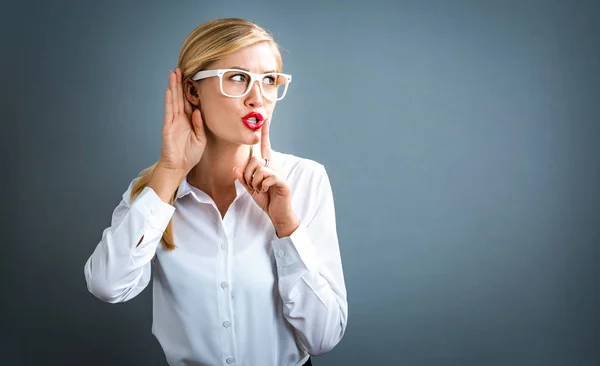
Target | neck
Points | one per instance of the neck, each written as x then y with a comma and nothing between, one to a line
214,173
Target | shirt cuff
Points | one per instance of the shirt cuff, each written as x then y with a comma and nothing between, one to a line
295,253
154,210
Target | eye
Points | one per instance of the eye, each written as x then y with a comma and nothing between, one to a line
270,80
239,77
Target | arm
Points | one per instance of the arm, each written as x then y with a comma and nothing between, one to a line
119,267
311,280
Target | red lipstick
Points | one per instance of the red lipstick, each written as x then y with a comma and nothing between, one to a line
253,124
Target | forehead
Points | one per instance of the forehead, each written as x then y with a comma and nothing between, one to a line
256,58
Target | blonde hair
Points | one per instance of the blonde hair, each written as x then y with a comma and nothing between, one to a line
206,44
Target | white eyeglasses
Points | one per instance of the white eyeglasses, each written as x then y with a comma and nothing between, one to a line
236,83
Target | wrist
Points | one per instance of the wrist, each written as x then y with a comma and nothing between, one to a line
165,182
287,226
164,170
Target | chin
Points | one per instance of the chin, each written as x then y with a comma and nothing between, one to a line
253,139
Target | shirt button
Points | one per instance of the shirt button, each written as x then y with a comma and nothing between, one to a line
224,284
230,360
226,323
224,246
280,254
153,211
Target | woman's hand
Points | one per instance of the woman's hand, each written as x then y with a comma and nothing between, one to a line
270,192
183,135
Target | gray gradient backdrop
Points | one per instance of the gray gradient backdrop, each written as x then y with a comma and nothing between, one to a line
460,138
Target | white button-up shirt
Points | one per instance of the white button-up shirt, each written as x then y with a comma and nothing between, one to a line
231,293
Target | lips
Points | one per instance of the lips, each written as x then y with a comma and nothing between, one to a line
253,120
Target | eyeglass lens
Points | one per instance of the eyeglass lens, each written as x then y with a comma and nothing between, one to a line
236,83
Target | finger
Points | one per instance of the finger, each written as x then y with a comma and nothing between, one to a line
265,141
270,182
198,125
168,108
187,107
173,87
239,175
249,170
180,98
259,176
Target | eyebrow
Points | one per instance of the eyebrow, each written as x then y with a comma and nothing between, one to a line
242,68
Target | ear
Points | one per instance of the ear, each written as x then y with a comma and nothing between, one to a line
191,93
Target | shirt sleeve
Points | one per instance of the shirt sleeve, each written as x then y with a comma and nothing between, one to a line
119,268
310,277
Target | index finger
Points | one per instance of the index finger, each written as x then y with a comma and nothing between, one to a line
265,141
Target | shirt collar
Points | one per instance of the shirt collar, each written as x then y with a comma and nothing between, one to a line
186,188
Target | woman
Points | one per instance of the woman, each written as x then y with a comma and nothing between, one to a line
242,239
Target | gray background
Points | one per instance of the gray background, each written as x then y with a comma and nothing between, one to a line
460,139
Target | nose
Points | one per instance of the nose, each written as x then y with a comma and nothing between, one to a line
254,96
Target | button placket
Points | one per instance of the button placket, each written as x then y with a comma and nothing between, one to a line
228,348
224,258
225,295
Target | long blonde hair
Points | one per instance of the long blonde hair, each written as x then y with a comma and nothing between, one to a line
206,44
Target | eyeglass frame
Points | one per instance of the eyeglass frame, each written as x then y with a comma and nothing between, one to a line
253,78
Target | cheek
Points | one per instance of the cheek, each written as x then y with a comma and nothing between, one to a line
219,112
